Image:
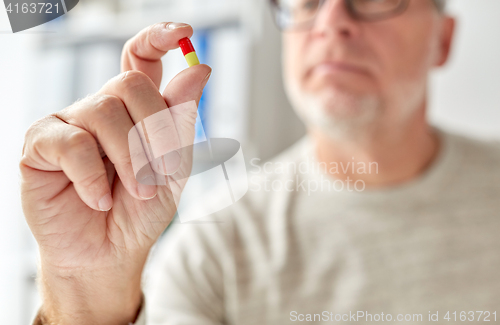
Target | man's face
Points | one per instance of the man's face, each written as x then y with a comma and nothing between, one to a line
344,74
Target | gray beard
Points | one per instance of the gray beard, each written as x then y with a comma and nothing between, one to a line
339,116
350,117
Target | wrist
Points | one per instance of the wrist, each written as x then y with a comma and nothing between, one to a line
89,297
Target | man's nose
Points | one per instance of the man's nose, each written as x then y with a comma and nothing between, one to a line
334,19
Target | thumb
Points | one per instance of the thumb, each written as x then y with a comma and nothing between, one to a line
182,96
187,85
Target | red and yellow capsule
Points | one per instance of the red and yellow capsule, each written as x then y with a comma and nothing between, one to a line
189,52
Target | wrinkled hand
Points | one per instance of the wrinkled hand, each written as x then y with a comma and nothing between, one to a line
93,221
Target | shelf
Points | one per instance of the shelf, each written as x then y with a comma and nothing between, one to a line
117,28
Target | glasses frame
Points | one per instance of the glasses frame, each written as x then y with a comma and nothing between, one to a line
351,9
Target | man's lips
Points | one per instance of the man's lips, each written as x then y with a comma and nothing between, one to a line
334,67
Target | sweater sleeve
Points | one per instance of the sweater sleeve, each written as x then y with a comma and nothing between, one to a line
186,283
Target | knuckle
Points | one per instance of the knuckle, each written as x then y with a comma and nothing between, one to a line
35,135
135,79
135,156
78,141
123,160
154,30
158,131
37,125
91,179
127,45
108,107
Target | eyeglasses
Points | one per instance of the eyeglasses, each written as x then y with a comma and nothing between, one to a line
300,14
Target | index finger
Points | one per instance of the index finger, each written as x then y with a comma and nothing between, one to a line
144,51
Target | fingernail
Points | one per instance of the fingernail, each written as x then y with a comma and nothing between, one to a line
173,26
106,202
205,81
147,187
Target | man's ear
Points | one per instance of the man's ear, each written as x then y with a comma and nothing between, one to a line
446,40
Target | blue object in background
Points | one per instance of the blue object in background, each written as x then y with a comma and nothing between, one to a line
201,42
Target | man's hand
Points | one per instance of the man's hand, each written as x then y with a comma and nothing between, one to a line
93,221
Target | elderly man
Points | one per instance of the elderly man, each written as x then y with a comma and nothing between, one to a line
417,242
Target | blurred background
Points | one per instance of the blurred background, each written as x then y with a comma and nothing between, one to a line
46,68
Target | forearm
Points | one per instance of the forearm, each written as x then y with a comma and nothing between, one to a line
89,297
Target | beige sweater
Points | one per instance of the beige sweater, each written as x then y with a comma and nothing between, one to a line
296,255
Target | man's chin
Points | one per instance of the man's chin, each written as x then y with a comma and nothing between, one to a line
337,114
340,107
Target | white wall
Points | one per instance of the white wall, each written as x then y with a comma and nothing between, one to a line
466,93
14,70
